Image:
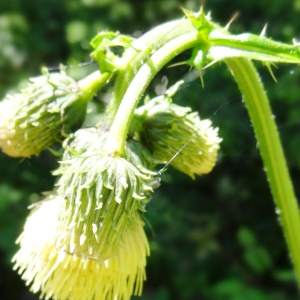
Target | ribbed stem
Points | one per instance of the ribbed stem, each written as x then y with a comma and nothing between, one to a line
260,113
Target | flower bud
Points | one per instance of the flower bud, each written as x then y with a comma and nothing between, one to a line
175,134
102,194
49,108
62,276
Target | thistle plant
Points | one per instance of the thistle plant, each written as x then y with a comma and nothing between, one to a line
89,229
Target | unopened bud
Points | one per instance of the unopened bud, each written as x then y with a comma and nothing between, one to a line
177,135
102,194
43,113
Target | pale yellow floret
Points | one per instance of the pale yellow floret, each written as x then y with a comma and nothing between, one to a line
61,276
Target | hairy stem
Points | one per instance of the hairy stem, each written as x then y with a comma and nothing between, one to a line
93,83
260,113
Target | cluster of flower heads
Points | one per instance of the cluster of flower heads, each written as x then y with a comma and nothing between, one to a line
86,239
90,242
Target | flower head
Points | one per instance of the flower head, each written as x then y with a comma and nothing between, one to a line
102,195
31,121
61,276
172,132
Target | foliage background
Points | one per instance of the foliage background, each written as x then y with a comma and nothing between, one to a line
217,237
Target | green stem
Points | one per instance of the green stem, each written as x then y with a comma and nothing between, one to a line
150,53
252,46
272,154
120,126
140,52
140,68
92,83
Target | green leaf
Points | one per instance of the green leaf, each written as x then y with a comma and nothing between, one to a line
110,39
285,275
246,237
235,289
258,259
103,54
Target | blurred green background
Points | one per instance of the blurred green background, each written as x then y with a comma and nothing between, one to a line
217,237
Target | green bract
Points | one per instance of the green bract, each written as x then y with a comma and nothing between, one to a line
103,195
50,107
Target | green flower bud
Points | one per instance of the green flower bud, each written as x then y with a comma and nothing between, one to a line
175,134
51,106
59,275
102,194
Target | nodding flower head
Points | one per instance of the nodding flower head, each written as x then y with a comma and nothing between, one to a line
59,275
102,194
172,132
50,106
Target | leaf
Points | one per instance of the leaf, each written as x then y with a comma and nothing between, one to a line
258,259
246,237
103,54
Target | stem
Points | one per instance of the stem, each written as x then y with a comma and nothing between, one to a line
141,51
271,151
92,83
252,46
120,126
148,55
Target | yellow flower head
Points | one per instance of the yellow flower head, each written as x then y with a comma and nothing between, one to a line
172,131
63,276
40,115
102,195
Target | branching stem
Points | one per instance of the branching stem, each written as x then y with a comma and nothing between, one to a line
143,77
